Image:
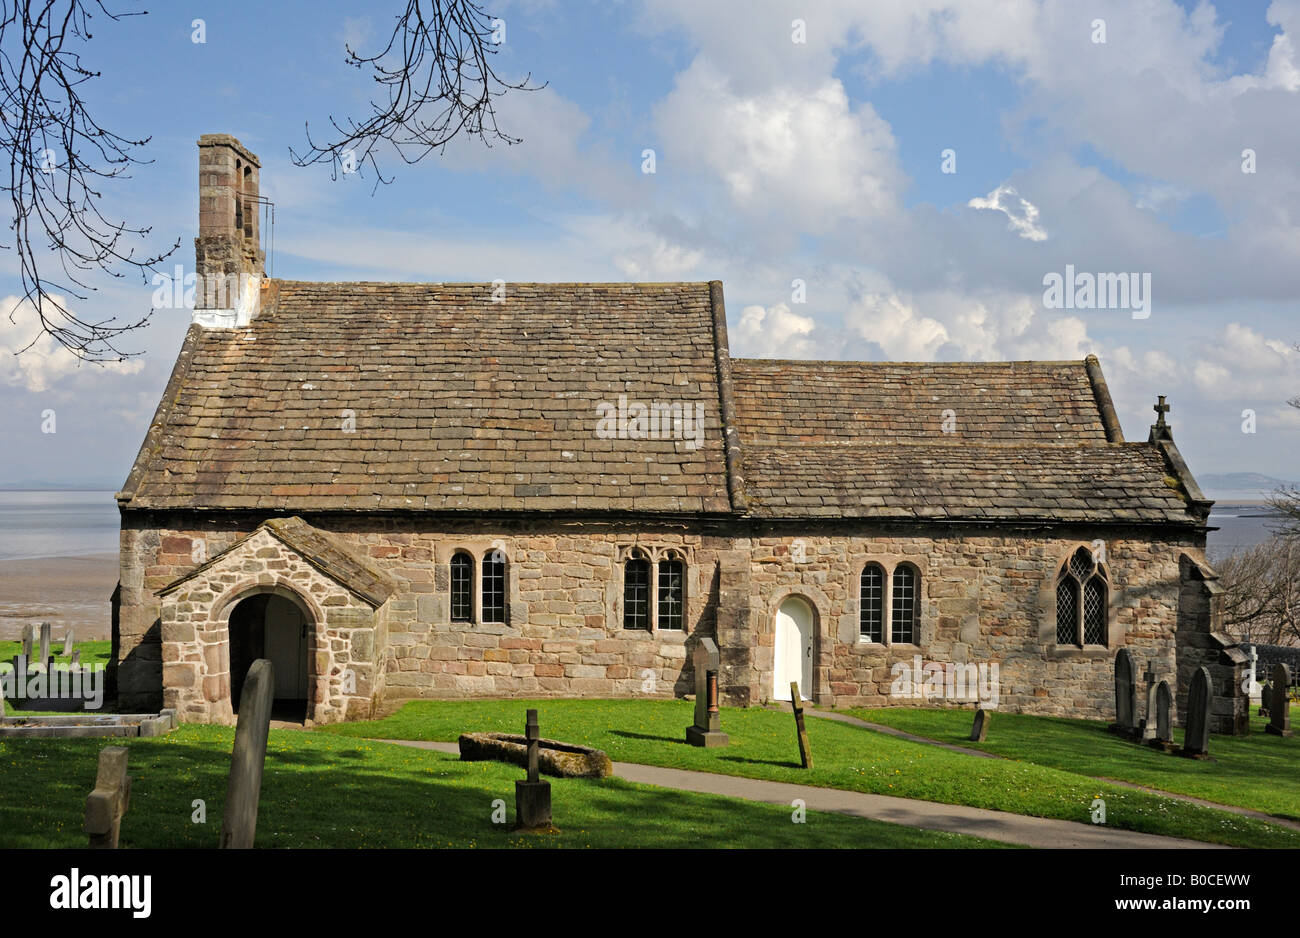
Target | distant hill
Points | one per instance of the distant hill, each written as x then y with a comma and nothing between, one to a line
62,485
1241,485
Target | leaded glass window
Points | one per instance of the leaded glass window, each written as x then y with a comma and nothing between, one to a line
1081,591
871,603
462,587
636,593
494,586
672,594
902,623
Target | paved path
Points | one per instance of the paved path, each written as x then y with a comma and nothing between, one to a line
930,815
911,737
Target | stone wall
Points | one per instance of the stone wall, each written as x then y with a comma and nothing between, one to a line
986,596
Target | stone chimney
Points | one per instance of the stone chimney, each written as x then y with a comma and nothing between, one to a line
228,261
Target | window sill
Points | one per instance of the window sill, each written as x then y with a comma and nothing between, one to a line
1079,652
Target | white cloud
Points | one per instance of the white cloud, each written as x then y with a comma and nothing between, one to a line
1021,213
772,332
805,156
44,361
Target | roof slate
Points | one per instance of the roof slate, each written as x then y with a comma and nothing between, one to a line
459,402
462,403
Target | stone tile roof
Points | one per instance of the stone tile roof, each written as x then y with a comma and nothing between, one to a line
319,549
459,402
865,439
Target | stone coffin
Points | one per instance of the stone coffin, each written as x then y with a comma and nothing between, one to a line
563,760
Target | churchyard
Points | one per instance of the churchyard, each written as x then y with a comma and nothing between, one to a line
363,784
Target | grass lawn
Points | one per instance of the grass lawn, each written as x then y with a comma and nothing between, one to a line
96,653
324,790
846,757
1258,771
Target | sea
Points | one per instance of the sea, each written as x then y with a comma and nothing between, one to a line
68,524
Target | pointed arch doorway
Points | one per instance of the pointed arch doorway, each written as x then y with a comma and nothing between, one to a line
268,625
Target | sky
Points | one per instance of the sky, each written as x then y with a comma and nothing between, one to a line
870,180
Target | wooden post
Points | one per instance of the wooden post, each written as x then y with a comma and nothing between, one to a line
805,751
110,799
244,790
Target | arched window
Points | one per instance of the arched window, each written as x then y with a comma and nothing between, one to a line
871,603
672,593
1081,601
462,587
636,591
902,621
494,586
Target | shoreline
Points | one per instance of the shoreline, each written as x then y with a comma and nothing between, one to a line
69,591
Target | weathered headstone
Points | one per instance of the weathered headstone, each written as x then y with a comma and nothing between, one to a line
27,646
532,795
45,644
1196,738
1279,708
67,643
76,657
1125,693
980,728
110,799
1164,708
707,729
244,789
801,731
1264,696
1149,721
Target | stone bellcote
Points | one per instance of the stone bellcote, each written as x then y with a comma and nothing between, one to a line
229,261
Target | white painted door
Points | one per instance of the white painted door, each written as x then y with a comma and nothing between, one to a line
794,649
286,646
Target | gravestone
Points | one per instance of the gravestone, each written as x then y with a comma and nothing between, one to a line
110,799
1264,696
27,646
45,644
1279,708
247,759
76,657
801,731
532,795
1125,694
980,728
707,729
1164,708
1196,738
1149,721
67,644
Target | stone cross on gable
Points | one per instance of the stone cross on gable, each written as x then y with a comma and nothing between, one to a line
1161,409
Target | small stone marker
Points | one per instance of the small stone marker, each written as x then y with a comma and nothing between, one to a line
110,799
27,646
45,644
76,657
1153,706
1265,693
1196,739
532,795
1164,707
707,730
243,791
980,728
796,704
1125,693
67,643
1279,707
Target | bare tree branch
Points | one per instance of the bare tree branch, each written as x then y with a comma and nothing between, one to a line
439,81
60,157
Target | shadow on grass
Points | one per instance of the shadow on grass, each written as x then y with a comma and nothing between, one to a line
780,765
658,739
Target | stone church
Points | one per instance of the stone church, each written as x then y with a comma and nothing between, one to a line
444,490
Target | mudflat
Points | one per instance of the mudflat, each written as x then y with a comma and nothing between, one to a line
70,592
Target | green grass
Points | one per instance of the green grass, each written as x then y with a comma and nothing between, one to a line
1258,771
845,757
96,653
324,790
